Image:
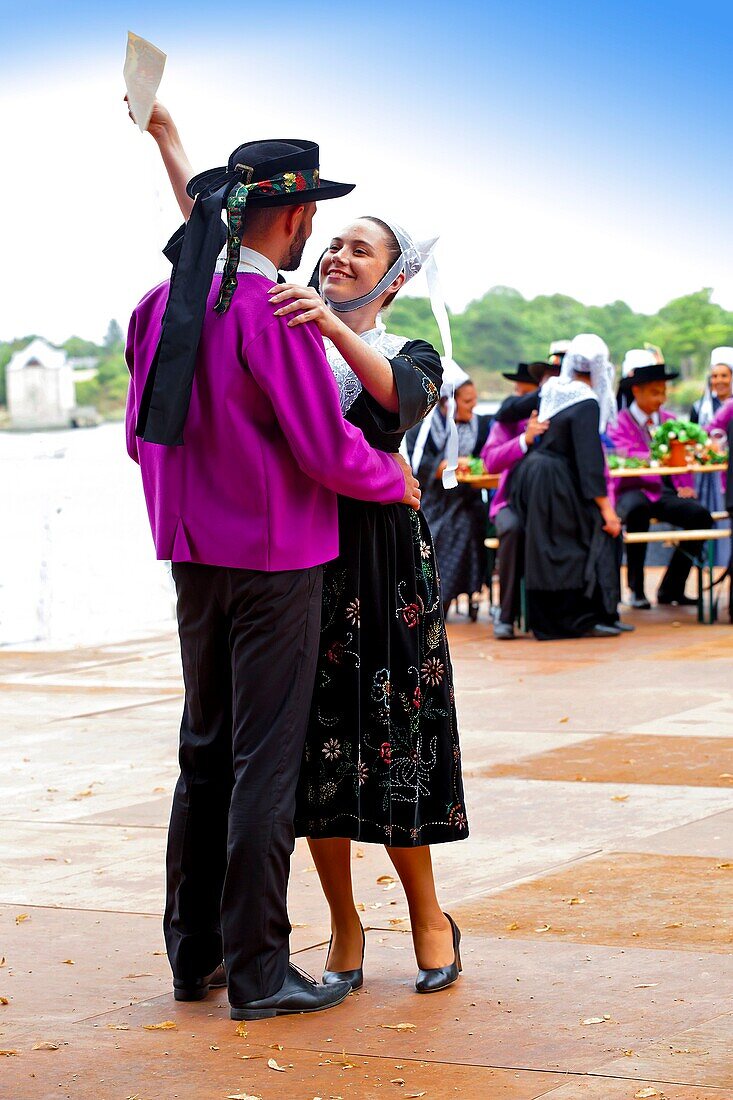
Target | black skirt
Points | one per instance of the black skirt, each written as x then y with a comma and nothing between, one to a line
382,760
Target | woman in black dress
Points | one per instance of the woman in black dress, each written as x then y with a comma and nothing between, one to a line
382,761
457,517
560,494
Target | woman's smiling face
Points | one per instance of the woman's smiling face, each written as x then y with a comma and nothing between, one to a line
355,261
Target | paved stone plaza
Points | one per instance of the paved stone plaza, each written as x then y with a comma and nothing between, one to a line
595,893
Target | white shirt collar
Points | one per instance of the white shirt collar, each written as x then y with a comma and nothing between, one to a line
641,417
252,262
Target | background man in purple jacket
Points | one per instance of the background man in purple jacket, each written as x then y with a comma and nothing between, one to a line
245,509
639,499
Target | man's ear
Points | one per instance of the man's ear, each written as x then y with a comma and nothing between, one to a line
293,219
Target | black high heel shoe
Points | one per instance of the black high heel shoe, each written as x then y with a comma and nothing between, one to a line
430,981
355,978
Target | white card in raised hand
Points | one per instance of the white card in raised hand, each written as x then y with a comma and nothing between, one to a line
144,64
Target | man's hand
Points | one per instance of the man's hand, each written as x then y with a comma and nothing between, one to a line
535,428
687,493
161,124
412,485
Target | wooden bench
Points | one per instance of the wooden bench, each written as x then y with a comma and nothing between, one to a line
704,564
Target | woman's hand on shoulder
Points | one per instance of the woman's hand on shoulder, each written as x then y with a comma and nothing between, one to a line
303,303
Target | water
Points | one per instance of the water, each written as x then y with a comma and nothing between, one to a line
77,562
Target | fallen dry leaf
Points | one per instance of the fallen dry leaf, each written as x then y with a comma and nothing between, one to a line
2,960
276,1046
723,866
396,920
118,1027
597,1019
512,927
46,1046
242,1096
137,976
82,794
397,1081
22,917
272,1064
4,1001
68,962
7,1053
544,928
167,1025
643,1093
619,798
241,1031
384,880
399,1027
628,1054
674,924
647,985
576,901
414,1095
563,720
358,853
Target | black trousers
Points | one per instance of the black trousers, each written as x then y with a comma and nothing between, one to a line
249,644
510,564
636,510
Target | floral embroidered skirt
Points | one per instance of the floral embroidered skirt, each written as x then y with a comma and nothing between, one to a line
382,760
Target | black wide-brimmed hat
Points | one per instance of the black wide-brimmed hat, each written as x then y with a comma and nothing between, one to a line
521,374
267,173
540,368
654,372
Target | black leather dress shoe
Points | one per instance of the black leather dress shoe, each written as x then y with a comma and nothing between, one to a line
298,993
681,601
639,603
196,990
430,981
625,628
355,978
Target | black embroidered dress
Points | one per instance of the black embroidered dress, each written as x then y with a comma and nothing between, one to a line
382,761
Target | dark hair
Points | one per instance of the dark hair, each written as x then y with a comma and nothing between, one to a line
393,250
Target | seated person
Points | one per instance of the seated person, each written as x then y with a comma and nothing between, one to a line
505,448
640,499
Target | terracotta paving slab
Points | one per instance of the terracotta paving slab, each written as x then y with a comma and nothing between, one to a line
681,761
174,1066
700,1055
631,899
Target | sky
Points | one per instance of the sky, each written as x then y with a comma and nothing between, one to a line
561,147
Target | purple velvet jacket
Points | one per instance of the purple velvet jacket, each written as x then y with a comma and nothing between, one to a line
501,453
630,441
266,445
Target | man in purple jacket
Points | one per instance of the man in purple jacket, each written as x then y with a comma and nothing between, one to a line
639,499
245,508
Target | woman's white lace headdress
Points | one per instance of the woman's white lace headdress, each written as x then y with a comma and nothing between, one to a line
586,354
416,256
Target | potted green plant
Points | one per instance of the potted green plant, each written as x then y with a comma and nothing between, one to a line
674,442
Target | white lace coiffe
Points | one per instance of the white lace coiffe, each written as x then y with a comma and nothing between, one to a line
587,354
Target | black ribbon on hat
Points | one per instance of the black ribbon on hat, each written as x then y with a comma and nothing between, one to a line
167,393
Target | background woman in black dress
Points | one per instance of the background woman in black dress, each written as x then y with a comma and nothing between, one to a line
560,494
457,517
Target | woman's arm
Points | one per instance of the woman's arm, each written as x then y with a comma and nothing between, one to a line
372,369
163,130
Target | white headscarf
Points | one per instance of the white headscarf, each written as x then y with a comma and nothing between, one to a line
587,354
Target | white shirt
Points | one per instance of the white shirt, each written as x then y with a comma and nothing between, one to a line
643,418
251,262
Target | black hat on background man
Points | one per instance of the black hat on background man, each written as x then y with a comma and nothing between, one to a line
521,374
541,369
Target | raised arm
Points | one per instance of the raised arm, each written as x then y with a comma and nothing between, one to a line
164,132
303,304
291,367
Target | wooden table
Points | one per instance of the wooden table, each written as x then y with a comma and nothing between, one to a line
478,481
667,471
